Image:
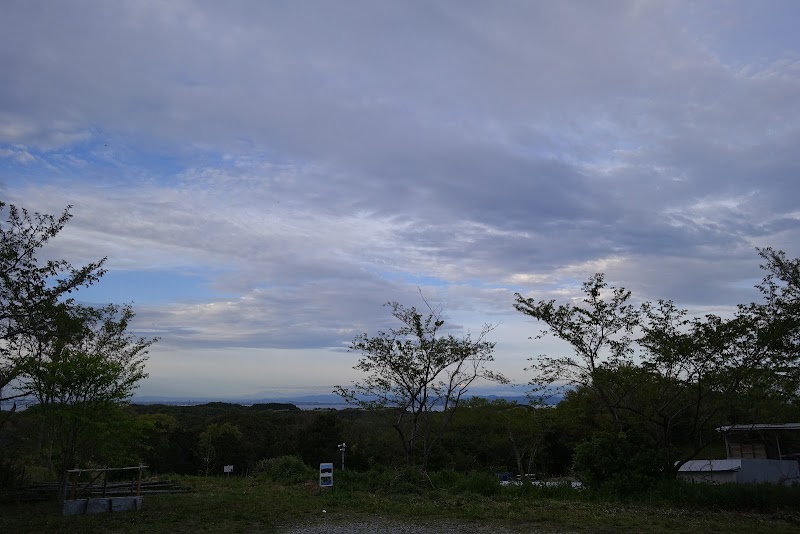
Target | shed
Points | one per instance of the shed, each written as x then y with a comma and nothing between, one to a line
756,453
768,441
741,471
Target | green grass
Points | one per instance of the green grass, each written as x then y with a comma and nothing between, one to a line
242,504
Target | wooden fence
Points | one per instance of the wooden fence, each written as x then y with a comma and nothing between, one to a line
78,489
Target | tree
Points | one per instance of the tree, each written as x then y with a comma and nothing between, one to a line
527,428
599,332
80,370
501,435
156,433
415,371
219,444
715,370
776,321
29,287
690,375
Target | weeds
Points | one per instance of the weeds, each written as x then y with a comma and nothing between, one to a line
259,504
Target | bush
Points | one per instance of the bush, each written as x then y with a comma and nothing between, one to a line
284,469
12,474
377,479
403,480
447,479
480,483
619,464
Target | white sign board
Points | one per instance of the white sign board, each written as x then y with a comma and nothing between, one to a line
326,475
228,469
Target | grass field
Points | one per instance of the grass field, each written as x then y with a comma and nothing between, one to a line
242,504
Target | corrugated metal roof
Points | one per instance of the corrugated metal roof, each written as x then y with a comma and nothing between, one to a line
758,426
694,466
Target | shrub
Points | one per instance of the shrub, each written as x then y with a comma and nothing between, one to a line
12,474
480,483
377,479
447,479
619,464
284,469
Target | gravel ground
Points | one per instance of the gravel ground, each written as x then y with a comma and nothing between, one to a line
390,526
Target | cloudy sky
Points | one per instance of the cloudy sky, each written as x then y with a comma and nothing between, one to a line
264,176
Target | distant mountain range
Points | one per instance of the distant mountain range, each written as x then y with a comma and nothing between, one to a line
306,402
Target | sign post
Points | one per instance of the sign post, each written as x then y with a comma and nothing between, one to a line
326,475
228,469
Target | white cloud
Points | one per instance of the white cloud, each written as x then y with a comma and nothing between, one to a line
313,161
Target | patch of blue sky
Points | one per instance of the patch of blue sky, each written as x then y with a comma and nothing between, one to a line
112,157
149,287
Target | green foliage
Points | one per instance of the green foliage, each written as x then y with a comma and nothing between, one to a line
285,469
78,362
480,483
79,371
219,445
599,332
414,481
29,287
88,358
680,378
414,371
155,432
619,464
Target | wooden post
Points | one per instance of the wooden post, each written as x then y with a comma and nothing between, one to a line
139,482
105,480
75,476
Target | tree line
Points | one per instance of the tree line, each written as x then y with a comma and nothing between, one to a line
643,389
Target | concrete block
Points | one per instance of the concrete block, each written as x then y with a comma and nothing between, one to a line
74,507
126,504
98,506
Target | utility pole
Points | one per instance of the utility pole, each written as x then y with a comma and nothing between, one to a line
342,448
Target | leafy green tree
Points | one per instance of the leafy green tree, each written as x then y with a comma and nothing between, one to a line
475,439
774,324
600,332
320,437
527,428
30,287
415,371
621,462
711,371
218,445
497,434
80,371
156,432
689,376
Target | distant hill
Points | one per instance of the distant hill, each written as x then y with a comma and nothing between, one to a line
305,402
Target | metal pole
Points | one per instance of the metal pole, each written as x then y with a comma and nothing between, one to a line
342,448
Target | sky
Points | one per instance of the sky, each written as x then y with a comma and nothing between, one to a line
264,176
